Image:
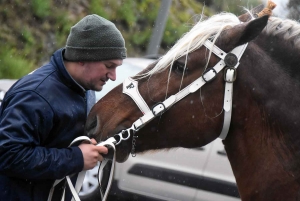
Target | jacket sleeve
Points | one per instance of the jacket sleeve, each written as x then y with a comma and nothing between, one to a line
26,122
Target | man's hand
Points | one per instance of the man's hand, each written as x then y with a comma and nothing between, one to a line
92,154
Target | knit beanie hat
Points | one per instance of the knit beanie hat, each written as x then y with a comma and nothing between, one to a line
94,39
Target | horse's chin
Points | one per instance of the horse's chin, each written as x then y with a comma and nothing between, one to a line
121,157
122,152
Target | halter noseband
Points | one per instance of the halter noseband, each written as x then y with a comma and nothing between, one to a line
231,60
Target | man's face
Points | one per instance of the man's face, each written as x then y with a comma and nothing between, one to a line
96,74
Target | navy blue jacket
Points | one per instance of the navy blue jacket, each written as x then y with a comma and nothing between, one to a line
39,117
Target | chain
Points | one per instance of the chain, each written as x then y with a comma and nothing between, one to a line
133,154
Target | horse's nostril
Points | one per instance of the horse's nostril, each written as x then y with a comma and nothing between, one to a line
91,126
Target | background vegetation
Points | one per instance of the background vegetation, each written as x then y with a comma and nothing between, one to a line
31,30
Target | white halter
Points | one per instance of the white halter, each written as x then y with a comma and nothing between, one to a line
130,87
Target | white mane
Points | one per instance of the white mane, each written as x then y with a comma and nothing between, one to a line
194,39
211,29
289,29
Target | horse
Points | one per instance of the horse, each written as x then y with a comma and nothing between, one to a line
263,141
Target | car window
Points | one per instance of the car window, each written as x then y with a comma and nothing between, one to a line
130,67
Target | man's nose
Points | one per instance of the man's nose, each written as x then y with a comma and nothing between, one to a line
112,75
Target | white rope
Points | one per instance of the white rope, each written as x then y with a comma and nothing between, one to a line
110,142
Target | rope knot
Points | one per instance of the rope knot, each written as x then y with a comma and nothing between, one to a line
267,10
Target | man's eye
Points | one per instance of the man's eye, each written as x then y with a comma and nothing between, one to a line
179,67
110,66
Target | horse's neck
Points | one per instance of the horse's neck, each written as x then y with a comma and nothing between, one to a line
264,170
265,167
264,141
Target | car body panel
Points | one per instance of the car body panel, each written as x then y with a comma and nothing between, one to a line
149,173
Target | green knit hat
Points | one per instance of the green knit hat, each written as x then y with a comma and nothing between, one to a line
94,39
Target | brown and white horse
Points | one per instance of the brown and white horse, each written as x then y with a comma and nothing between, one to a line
263,141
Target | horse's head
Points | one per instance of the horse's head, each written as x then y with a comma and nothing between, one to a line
193,121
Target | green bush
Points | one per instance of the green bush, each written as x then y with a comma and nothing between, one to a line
31,31
99,8
13,65
41,8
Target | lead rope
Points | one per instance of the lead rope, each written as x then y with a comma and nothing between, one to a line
110,143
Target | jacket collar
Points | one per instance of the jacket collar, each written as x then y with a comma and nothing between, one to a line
58,62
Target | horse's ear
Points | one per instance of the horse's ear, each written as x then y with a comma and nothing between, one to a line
247,17
243,33
252,29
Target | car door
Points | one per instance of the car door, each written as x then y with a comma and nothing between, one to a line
167,174
218,182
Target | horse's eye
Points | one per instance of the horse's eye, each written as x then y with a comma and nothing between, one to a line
179,67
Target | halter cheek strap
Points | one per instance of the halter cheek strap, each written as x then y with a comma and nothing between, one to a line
130,87
229,78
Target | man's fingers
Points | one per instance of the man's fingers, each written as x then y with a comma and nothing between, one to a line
100,157
93,141
85,142
102,149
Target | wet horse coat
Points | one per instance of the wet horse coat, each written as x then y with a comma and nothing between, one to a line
263,143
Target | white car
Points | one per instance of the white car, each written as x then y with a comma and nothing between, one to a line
178,174
201,174
5,84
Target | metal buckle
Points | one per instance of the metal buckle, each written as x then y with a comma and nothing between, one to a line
159,103
206,71
234,75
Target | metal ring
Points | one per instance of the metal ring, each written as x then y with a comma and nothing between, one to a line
128,134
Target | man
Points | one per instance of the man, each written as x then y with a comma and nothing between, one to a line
44,111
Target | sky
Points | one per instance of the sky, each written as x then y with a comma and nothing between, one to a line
280,9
